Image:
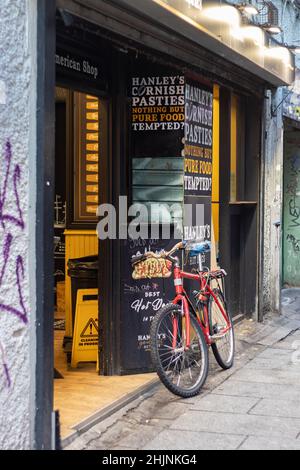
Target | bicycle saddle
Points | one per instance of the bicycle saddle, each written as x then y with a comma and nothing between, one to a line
196,249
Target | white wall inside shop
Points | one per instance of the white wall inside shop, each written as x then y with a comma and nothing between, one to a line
17,220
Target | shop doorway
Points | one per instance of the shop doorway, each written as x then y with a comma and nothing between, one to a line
80,139
83,387
240,142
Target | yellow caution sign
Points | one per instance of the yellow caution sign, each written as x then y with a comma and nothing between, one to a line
86,330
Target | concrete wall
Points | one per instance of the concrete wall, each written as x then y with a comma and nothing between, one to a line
272,166
273,169
17,220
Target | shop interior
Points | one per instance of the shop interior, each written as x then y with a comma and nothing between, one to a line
80,390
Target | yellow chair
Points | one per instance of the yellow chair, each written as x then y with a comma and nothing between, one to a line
86,330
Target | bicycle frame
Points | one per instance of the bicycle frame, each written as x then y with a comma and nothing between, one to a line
183,299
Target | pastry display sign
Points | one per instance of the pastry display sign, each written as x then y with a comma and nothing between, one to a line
152,268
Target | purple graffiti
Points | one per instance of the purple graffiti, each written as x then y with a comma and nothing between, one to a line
16,179
8,256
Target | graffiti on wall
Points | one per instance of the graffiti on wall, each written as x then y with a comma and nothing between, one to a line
11,225
291,241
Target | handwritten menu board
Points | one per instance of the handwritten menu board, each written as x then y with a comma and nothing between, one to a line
86,198
142,299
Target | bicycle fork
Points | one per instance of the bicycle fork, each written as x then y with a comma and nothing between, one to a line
185,314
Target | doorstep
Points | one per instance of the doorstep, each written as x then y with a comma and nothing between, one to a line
105,412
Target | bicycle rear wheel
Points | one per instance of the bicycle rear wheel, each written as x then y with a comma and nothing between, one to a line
182,371
223,348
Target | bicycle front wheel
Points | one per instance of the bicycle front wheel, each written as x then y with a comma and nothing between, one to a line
224,347
183,371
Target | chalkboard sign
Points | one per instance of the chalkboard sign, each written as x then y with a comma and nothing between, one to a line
171,151
157,129
142,299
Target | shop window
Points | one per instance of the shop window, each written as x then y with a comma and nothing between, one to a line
157,183
87,152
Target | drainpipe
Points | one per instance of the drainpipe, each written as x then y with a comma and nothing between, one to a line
261,258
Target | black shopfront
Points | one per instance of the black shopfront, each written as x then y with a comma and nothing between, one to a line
112,140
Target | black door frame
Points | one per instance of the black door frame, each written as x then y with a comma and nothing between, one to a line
43,433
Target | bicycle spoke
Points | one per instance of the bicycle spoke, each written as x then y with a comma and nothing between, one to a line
182,367
224,346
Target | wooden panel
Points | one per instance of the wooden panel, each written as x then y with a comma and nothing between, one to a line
78,244
82,392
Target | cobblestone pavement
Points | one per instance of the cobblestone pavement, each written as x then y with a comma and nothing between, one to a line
254,406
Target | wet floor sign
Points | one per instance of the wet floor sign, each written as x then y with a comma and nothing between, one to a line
86,331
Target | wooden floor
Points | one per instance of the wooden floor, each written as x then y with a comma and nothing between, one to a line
82,392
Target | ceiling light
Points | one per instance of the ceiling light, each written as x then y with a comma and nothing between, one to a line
224,14
251,33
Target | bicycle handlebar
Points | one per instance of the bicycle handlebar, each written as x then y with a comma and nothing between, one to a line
162,254
204,246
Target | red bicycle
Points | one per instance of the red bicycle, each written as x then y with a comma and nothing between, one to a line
183,331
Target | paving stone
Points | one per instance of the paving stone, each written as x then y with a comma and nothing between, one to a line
138,439
278,334
121,448
171,412
277,363
245,424
286,346
225,403
173,440
260,443
284,377
270,353
237,388
276,407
